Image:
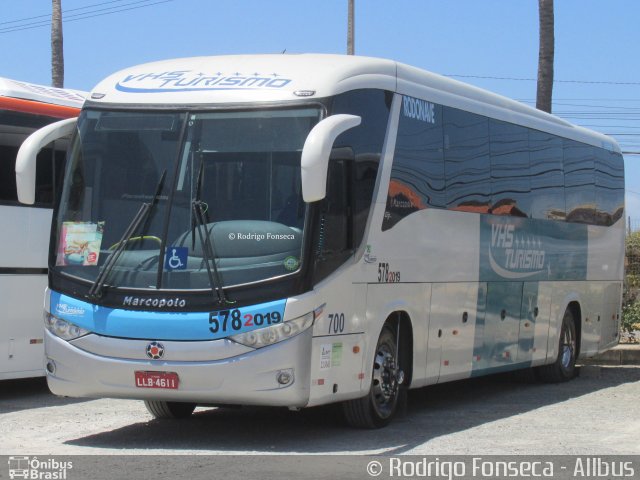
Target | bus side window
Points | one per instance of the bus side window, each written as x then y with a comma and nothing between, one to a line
579,182
336,215
49,166
334,243
8,191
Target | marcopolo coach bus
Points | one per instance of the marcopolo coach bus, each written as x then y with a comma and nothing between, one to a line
25,107
296,230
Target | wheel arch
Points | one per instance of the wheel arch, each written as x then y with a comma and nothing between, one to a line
576,310
402,319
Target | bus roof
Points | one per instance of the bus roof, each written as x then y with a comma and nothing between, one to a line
246,79
39,99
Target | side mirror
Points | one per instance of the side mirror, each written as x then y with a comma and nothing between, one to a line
26,159
316,153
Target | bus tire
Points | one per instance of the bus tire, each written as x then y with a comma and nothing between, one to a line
163,410
380,405
564,368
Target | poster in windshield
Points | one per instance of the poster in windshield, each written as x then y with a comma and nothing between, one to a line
80,243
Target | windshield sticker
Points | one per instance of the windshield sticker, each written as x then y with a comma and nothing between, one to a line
80,244
176,258
291,263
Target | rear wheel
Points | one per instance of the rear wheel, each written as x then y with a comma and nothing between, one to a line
378,408
564,368
162,410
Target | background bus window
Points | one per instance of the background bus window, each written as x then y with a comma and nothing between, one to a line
510,184
547,177
49,170
579,182
417,175
467,164
609,172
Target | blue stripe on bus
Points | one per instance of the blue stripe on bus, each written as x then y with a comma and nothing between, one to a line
122,323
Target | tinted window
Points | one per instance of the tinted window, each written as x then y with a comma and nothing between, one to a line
49,168
579,182
547,177
366,141
510,184
467,165
417,176
609,171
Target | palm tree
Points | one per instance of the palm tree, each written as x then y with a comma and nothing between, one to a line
57,55
350,30
545,56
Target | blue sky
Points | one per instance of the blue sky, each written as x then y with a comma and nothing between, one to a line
596,41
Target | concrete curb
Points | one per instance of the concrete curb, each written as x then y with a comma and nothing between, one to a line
622,354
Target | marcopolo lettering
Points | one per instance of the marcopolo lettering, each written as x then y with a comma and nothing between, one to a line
419,109
154,302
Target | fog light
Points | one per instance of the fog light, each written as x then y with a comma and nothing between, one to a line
285,377
51,367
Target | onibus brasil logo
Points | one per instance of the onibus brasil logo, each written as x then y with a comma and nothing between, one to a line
516,255
33,468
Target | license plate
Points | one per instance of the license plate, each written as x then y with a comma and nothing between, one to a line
167,380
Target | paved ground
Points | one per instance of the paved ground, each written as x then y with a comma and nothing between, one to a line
597,413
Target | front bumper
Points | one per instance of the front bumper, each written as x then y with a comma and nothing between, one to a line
245,379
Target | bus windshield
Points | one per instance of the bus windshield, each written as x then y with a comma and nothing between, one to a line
222,192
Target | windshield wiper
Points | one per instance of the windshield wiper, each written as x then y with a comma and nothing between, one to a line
206,241
143,214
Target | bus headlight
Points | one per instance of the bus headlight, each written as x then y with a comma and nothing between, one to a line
63,329
275,333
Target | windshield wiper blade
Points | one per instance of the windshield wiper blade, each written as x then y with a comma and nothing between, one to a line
206,240
143,214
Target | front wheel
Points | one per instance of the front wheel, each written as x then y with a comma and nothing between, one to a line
378,408
564,368
163,410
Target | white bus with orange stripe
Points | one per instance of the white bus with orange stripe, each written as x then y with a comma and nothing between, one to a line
24,243
296,230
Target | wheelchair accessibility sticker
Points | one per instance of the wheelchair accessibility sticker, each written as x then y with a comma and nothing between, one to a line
176,258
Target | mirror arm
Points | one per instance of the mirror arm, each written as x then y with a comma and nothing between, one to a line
26,158
316,153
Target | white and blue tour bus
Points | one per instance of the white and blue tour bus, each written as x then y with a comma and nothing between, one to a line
24,243
297,230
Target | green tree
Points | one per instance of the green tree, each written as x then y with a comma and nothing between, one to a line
632,254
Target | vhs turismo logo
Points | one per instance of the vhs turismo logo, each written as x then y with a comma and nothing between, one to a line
69,310
194,81
514,254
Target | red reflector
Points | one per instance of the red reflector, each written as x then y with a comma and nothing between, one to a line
360,376
445,363
321,381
